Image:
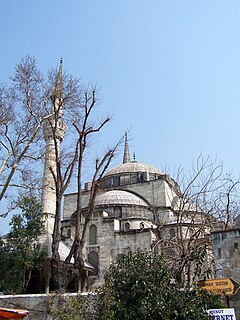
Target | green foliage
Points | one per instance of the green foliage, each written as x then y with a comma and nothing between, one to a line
140,286
20,251
67,307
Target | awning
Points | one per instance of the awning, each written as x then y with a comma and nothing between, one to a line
12,313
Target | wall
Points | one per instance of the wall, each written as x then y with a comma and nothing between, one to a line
226,245
36,304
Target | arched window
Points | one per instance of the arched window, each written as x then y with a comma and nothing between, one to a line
172,233
92,234
93,260
170,253
127,226
134,179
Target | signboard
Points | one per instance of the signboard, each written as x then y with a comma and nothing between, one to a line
222,314
226,286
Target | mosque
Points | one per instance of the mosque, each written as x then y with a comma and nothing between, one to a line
133,201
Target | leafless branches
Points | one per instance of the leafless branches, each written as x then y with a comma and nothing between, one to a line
204,200
82,127
22,112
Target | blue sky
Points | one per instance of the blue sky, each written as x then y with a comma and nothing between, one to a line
168,70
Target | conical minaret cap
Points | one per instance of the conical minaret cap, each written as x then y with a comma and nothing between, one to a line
58,86
126,156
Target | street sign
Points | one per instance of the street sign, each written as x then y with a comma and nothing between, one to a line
222,314
225,286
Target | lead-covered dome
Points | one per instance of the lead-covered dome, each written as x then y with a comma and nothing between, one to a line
129,172
133,167
119,197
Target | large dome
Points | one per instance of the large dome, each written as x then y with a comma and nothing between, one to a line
133,167
119,197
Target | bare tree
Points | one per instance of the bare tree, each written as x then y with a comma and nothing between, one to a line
82,126
58,109
227,201
65,97
197,208
23,108
85,131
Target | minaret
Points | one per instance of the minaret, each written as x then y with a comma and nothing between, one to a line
54,131
126,155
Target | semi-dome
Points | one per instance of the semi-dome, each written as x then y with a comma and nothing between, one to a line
119,197
133,167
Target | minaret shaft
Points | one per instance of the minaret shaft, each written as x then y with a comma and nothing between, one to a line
54,131
49,188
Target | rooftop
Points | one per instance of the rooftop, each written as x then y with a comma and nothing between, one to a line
119,197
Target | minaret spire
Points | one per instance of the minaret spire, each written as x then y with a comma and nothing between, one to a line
126,156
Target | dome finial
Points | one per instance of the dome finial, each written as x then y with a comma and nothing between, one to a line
134,157
126,156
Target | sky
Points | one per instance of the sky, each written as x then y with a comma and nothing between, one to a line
168,71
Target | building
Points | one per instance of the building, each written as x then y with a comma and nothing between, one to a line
138,206
226,245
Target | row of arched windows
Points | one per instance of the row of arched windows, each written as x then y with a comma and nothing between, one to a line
172,233
93,232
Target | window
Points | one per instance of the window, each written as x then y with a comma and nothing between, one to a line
235,245
134,179
127,226
107,183
118,212
172,233
93,260
170,253
219,253
92,234
116,181
124,180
